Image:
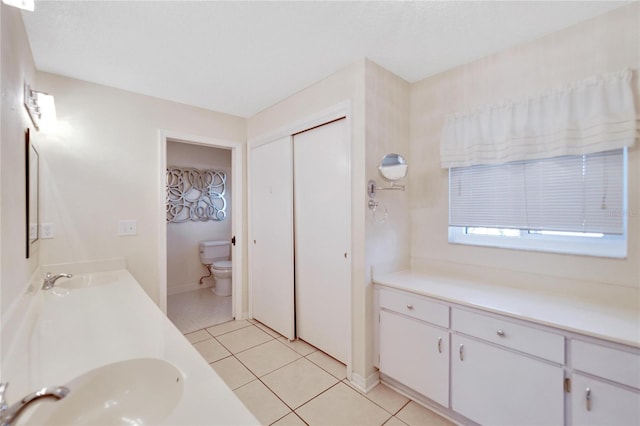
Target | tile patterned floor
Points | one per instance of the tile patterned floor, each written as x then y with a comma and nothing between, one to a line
197,309
292,383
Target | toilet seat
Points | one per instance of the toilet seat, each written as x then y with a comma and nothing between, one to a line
223,265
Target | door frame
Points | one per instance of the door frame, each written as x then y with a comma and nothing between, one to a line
337,111
237,172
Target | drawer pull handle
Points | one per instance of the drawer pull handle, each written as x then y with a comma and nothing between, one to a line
588,399
500,333
410,306
461,352
440,345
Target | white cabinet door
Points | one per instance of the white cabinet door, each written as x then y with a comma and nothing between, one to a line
416,354
322,237
494,386
271,239
597,403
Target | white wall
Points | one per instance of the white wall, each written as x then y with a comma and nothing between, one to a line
380,125
102,165
346,84
17,68
607,43
183,258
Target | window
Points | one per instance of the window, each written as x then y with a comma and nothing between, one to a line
570,204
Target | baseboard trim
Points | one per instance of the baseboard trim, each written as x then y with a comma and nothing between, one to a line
365,384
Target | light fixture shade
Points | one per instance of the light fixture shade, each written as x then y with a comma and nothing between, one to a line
21,4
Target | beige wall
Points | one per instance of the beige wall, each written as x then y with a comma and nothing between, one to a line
607,43
183,257
347,84
17,68
387,131
102,165
380,125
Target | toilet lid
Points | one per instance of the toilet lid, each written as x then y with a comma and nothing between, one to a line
222,264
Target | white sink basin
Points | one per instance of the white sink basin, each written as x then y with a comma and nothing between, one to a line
85,281
133,392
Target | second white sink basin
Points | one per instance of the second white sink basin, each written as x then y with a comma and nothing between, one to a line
132,392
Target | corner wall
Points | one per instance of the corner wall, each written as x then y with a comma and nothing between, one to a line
102,165
17,69
346,84
606,43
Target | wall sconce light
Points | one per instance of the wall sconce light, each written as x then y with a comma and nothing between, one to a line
21,4
40,106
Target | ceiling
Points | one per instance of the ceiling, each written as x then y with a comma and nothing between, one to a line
240,57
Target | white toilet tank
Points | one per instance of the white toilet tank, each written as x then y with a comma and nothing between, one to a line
210,251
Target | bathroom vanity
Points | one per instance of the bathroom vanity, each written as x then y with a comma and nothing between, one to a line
487,354
97,326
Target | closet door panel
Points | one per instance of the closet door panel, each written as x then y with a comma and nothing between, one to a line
271,241
322,237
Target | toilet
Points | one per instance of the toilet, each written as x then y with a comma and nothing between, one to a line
216,256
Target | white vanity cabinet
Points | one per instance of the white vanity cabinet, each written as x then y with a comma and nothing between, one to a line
605,386
414,343
495,386
505,373
477,364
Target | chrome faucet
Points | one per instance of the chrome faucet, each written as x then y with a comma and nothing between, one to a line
50,280
8,415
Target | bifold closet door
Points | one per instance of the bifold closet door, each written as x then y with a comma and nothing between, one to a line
322,188
271,192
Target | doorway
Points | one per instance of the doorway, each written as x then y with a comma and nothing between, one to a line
185,284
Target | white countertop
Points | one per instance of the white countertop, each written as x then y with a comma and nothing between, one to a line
90,327
618,323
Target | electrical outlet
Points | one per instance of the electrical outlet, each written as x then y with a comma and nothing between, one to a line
46,230
127,227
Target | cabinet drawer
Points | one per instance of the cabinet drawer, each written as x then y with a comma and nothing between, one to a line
415,306
609,363
536,342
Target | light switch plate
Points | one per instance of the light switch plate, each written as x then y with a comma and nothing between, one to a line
127,227
46,230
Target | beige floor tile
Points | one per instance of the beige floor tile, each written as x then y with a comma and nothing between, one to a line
265,358
290,419
334,367
387,398
298,382
394,421
342,405
227,327
197,336
303,348
262,402
268,330
233,372
416,415
243,339
211,350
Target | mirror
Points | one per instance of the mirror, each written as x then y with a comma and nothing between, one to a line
393,167
31,195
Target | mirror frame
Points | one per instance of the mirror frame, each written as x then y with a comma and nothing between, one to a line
31,193
395,160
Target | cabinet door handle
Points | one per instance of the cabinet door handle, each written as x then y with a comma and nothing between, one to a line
461,352
410,306
588,399
500,333
440,345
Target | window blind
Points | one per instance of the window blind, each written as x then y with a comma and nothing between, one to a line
582,193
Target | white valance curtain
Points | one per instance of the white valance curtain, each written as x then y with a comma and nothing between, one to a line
593,115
